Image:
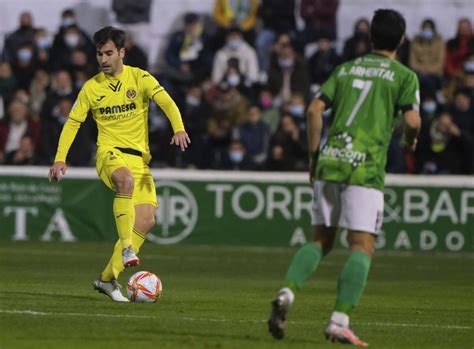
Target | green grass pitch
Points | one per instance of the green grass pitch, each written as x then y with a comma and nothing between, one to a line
219,298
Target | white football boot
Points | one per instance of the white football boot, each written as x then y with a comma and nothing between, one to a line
279,314
343,334
111,289
129,257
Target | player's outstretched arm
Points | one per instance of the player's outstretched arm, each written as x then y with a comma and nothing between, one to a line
411,128
68,134
166,103
314,129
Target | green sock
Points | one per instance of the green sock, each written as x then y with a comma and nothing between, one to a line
352,281
304,263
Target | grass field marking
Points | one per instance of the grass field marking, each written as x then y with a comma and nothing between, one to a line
391,324
24,312
203,319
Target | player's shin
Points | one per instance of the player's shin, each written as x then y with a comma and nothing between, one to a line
304,263
352,281
124,213
115,266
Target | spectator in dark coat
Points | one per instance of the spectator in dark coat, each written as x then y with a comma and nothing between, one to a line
23,35
134,55
288,147
359,43
255,137
288,73
54,114
188,50
323,62
24,65
69,39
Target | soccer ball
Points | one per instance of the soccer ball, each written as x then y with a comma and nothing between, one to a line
144,287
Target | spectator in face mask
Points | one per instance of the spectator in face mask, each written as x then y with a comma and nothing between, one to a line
296,107
19,135
236,79
24,34
458,47
270,113
25,65
359,43
236,47
42,46
255,137
427,55
236,158
288,72
70,37
195,111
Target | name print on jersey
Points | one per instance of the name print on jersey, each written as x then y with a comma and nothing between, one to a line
368,72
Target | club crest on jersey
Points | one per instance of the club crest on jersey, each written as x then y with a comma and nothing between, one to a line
131,93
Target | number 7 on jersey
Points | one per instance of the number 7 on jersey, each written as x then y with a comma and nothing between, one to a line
365,86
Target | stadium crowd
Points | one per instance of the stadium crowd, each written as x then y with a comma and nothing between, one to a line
242,78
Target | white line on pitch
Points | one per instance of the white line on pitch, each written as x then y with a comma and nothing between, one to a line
385,324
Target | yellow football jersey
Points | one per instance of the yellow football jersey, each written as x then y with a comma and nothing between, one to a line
119,105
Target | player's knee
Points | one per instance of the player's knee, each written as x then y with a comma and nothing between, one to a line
148,223
124,184
363,246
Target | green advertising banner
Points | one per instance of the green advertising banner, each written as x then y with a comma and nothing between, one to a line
231,208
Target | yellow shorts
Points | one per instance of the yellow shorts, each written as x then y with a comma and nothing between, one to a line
109,159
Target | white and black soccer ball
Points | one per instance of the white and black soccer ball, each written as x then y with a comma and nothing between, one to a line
144,287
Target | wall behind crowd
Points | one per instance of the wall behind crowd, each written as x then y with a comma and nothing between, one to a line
164,14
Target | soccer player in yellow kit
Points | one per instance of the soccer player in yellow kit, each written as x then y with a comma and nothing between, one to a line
118,98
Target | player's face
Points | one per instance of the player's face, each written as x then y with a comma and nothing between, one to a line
110,58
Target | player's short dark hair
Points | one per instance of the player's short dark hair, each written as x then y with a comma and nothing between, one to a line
387,29
117,36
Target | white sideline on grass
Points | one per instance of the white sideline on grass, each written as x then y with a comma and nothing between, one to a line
384,324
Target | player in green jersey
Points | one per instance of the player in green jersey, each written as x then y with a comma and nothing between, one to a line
347,174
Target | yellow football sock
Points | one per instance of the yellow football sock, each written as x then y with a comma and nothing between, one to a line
115,265
124,213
